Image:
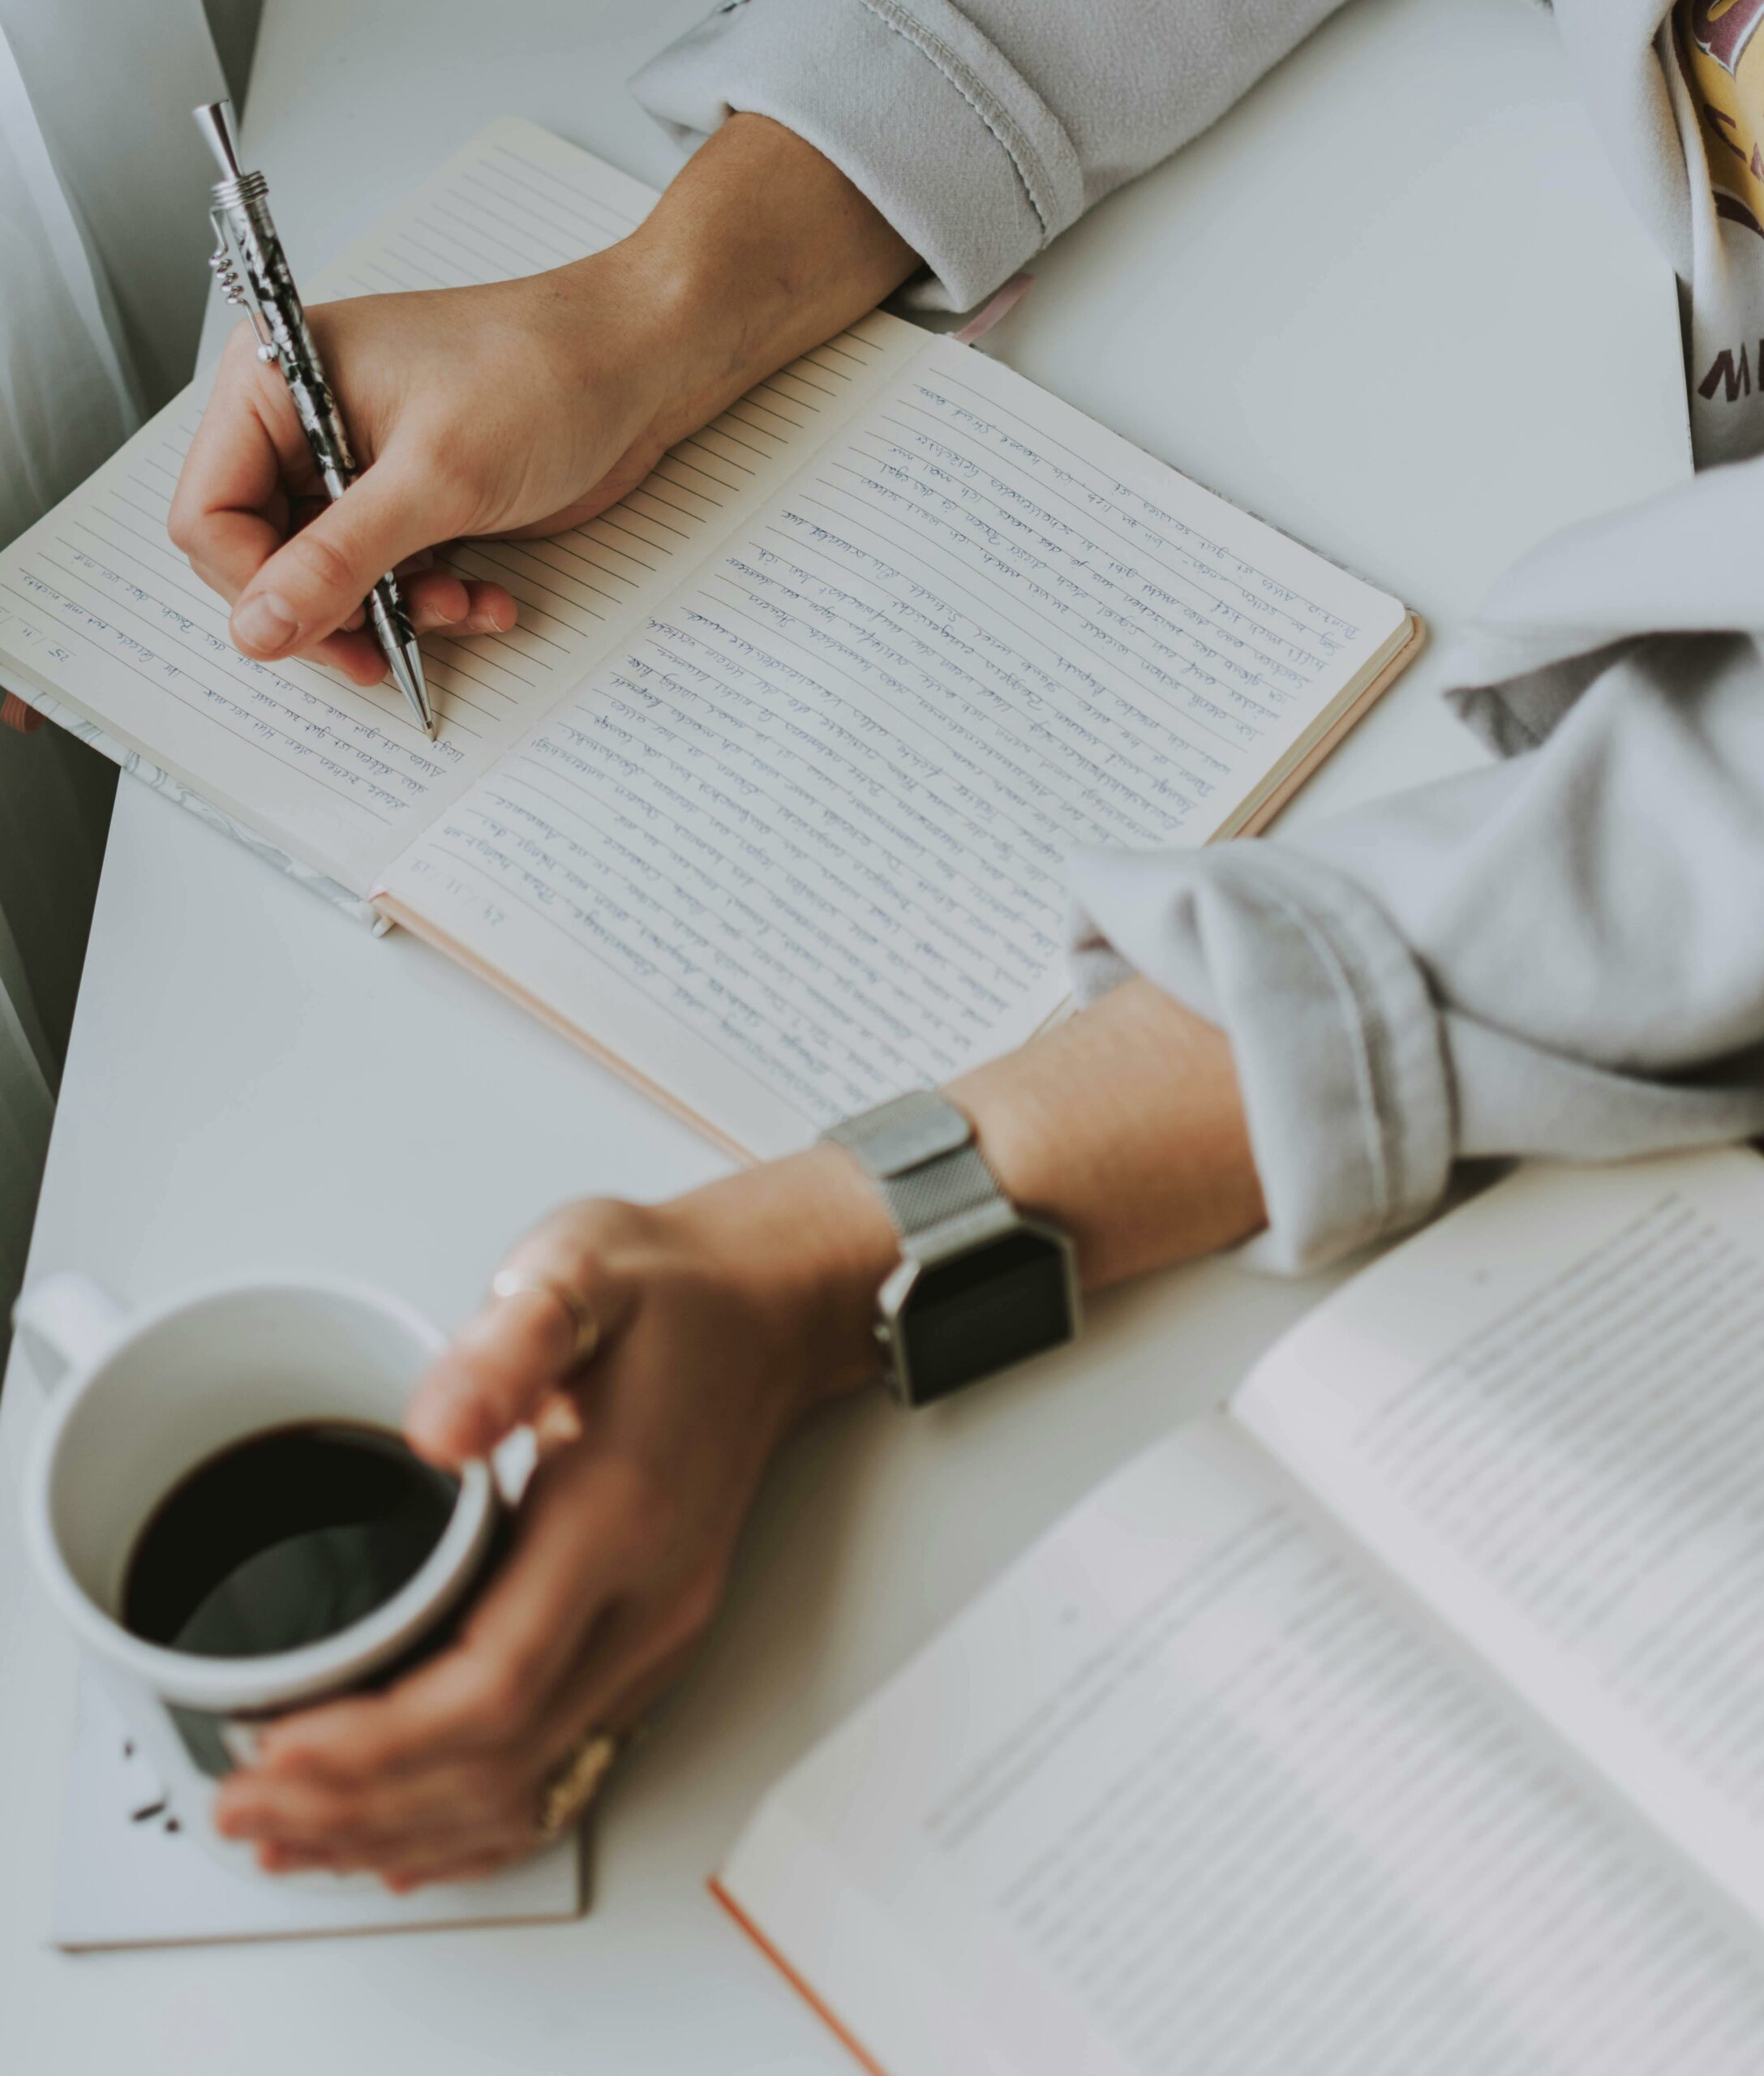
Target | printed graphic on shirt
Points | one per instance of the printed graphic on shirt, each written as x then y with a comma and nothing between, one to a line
1721,50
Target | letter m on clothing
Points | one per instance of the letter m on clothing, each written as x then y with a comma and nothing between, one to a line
1736,374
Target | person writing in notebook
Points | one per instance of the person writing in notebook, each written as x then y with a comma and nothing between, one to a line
1289,1044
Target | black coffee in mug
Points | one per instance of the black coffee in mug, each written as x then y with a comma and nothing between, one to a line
284,1538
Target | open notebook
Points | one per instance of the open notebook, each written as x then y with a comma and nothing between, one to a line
768,797
1405,1719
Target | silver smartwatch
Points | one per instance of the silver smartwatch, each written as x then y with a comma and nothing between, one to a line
981,1285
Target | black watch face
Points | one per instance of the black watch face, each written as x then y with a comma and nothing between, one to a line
985,1310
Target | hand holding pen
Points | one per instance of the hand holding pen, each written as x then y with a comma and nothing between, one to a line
259,523
522,407
253,270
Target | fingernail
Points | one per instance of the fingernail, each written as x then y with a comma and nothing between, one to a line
264,622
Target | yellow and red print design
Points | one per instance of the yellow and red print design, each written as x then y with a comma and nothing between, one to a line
1721,46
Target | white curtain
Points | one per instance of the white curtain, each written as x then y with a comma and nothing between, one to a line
102,231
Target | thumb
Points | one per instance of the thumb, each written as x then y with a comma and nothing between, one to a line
555,1300
312,584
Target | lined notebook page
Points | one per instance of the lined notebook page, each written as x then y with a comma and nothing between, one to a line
98,608
802,842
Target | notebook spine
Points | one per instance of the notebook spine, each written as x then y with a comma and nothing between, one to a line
150,774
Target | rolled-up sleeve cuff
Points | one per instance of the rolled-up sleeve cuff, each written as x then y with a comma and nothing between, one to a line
1338,1047
919,109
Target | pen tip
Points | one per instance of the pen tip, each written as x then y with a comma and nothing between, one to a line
406,661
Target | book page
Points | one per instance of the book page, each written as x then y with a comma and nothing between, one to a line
802,843
1546,1415
1186,1791
98,608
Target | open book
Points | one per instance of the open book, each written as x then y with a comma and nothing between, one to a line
1405,1719
768,797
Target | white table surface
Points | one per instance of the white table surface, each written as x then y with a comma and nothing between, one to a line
1391,304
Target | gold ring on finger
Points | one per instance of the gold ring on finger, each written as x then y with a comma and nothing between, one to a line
584,1326
574,1782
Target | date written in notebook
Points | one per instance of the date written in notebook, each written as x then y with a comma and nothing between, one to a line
767,800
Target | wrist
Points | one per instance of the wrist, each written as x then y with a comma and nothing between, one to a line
809,1242
631,340
760,250
1125,1127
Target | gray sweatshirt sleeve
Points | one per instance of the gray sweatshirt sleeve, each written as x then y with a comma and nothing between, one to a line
981,130
1560,953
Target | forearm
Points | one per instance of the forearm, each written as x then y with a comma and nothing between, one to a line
1124,1126
759,251
1555,955
981,129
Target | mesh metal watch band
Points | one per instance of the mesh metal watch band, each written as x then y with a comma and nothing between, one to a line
919,1150
944,1188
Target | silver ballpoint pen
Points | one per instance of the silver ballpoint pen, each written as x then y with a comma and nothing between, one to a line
253,269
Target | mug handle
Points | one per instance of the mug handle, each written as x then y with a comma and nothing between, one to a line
65,1322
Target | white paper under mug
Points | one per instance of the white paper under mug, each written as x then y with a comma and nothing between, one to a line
133,1404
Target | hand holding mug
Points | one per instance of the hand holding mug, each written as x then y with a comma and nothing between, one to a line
716,1320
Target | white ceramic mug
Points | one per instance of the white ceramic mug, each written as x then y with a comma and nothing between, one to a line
136,1404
